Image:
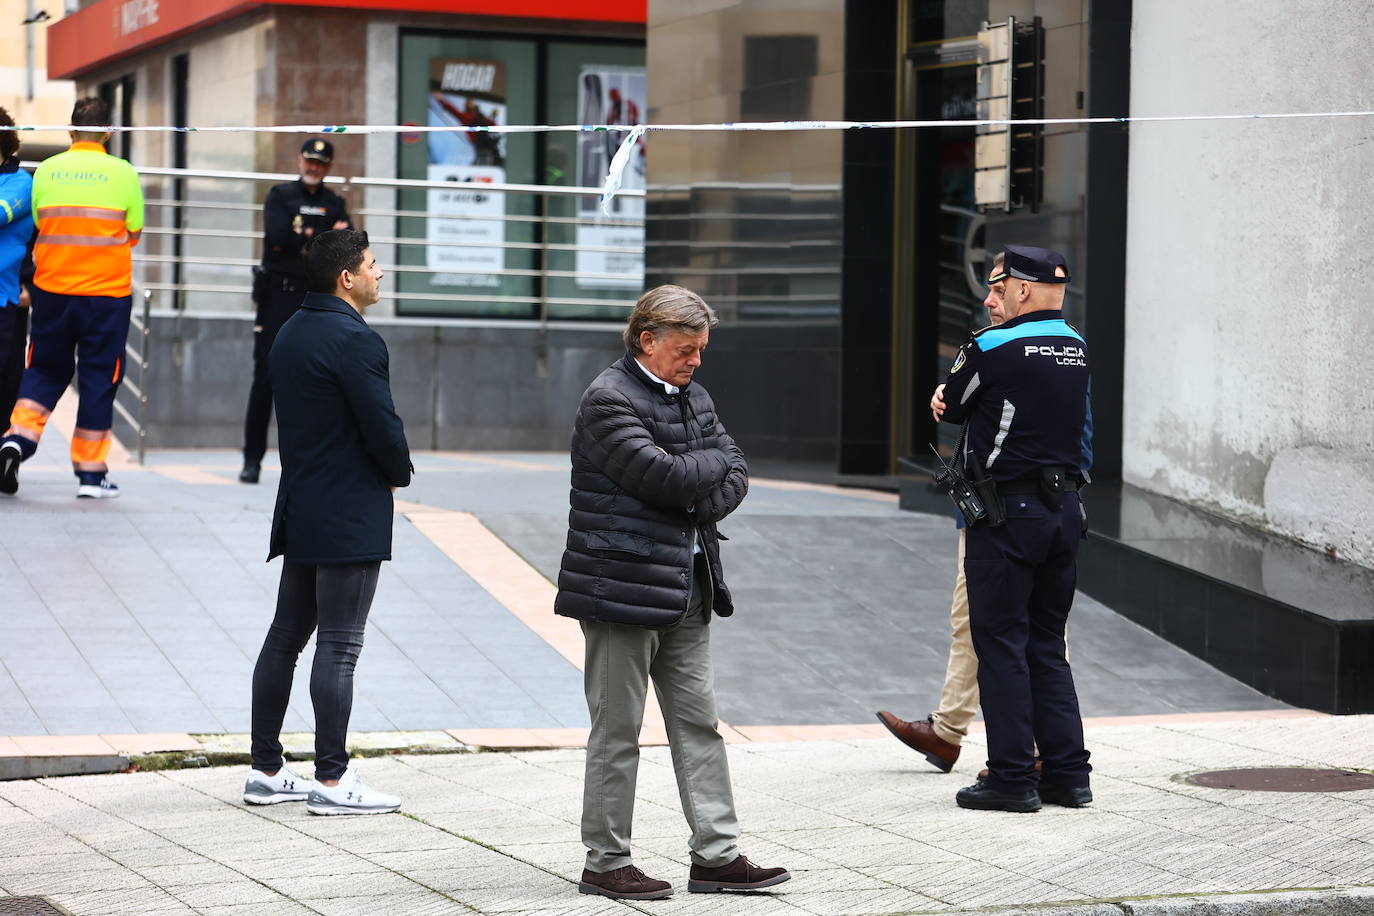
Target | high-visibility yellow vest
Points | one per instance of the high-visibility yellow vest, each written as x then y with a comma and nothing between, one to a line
89,210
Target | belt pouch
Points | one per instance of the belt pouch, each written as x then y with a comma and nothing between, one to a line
1052,487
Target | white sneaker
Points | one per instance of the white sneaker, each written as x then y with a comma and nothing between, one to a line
102,490
350,796
285,786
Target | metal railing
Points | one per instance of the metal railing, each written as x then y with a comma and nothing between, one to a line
138,356
543,252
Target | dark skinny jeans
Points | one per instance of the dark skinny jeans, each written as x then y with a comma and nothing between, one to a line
335,598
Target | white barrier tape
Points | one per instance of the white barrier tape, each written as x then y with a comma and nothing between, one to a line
721,126
637,131
616,171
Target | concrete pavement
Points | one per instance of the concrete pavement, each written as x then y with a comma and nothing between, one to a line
865,826
145,614
130,628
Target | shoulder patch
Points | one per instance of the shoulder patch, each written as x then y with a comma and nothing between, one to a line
958,362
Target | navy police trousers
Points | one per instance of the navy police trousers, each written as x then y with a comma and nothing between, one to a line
1021,580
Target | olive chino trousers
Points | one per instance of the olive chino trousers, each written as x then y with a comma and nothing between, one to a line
621,660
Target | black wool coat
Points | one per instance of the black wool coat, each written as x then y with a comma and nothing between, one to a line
651,471
342,444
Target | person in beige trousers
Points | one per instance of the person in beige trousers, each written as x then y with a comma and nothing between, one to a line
940,736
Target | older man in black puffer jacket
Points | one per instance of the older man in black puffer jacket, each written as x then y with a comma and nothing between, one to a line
653,470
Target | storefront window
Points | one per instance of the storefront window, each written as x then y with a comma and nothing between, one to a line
485,253
595,84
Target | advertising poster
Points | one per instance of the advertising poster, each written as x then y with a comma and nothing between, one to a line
466,93
610,95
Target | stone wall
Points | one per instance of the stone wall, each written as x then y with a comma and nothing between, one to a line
456,385
1248,375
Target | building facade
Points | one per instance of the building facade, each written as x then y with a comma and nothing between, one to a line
224,63
848,267
26,92
1249,380
851,263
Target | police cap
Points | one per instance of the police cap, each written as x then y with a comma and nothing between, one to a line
322,150
1034,264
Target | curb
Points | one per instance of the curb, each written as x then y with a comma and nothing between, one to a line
62,765
39,756
35,758
1337,901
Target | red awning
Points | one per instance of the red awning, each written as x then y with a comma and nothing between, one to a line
109,30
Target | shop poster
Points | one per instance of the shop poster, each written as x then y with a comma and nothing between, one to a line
466,93
610,95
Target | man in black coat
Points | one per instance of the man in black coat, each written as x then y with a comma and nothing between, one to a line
653,470
293,214
343,454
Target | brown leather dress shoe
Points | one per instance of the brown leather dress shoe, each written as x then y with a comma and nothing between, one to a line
628,883
921,737
739,875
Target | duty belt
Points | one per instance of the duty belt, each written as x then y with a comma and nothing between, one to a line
1027,485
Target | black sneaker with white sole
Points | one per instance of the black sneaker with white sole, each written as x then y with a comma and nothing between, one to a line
97,489
10,459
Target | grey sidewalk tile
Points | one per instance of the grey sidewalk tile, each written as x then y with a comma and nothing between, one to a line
278,908
348,874
19,720
429,717
162,855
240,891
372,719
78,882
172,717
123,902
811,893
58,719
418,903
182,874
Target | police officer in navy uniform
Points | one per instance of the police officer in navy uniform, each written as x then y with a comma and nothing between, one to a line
1021,388
294,212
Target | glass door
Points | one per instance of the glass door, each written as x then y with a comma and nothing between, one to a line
940,240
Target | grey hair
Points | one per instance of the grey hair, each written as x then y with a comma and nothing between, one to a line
664,309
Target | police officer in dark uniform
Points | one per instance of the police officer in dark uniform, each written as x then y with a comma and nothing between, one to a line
293,213
1021,389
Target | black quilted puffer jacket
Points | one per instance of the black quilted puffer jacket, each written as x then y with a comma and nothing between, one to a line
651,471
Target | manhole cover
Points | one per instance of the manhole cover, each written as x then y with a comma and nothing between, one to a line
30,906
1284,779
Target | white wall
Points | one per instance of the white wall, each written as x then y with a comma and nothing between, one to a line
1249,372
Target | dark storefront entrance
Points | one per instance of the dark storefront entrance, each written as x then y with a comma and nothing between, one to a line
1065,190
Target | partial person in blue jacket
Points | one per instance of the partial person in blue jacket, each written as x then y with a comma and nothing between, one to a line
343,454
16,240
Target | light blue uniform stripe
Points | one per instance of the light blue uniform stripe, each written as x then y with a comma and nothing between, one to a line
993,338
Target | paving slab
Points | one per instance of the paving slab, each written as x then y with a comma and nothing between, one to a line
154,626
865,826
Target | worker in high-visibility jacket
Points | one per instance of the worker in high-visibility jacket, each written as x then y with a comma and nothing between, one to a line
89,211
